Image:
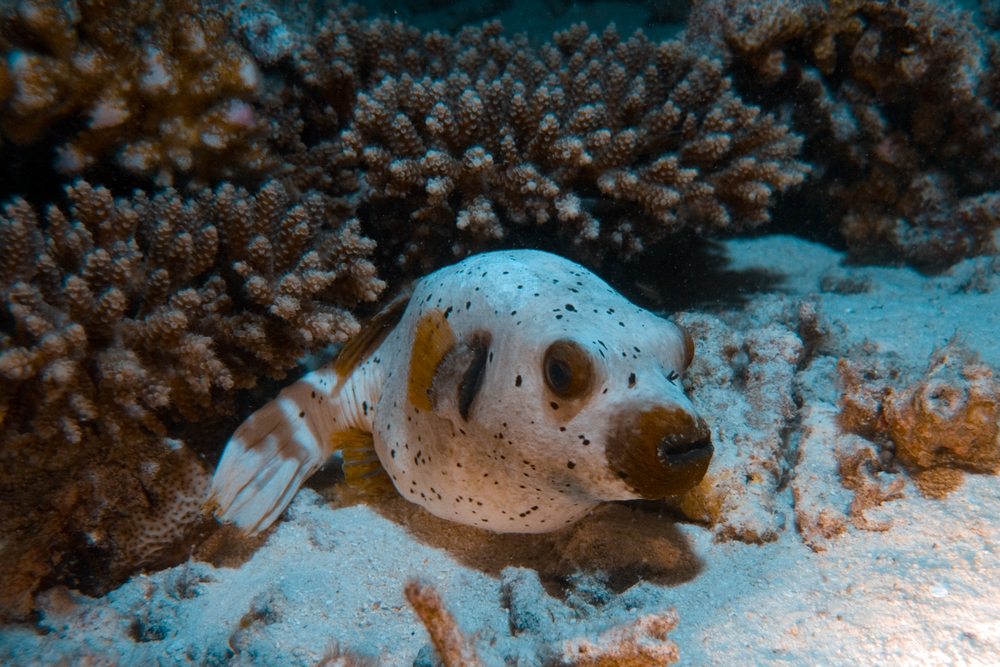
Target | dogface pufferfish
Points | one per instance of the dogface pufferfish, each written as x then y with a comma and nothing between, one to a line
513,391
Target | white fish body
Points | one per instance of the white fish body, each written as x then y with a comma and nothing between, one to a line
516,391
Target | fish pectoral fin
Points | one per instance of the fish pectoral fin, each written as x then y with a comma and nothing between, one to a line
264,464
362,467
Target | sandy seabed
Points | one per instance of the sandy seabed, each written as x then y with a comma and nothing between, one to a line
924,592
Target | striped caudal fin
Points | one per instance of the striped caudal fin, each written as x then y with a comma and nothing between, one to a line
287,440
267,459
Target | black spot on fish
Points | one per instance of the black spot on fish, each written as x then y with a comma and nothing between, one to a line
570,308
517,381
631,380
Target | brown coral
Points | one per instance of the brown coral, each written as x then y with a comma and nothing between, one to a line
640,643
898,103
859,468
950,419
452,647
124,322
162,87
465,135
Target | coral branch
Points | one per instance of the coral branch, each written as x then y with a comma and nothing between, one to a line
451,645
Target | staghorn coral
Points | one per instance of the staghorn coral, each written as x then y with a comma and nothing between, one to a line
161,88
898,104
462,136
125,322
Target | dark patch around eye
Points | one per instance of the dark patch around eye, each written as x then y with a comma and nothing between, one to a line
631,380
472,381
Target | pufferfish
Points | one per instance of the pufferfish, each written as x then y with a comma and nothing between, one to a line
513,391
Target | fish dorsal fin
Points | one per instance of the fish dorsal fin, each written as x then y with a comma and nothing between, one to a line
362,468
361,346
432,340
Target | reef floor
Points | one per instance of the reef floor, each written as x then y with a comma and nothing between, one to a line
922,589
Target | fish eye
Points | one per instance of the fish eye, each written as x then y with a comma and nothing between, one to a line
567,369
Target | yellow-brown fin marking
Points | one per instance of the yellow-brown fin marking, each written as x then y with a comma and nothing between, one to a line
361,465
432,340
361,346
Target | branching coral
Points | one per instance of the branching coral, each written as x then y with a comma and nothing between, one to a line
124,322
162,87
465,135
898,103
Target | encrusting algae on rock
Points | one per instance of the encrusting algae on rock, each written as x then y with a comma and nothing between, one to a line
515,392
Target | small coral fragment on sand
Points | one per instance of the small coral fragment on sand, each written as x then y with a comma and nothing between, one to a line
641,643
949,420
451,645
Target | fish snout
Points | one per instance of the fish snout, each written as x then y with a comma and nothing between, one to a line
659,452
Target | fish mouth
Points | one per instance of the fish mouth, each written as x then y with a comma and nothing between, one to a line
686,449
659,452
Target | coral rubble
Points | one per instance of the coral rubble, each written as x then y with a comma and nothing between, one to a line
744,382
124,323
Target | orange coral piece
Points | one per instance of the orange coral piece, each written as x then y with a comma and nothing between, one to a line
951,418
640,643
451,645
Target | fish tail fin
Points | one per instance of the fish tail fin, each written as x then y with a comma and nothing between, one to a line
266,461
